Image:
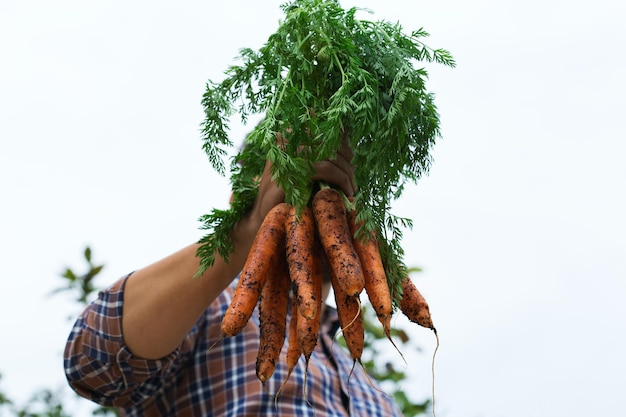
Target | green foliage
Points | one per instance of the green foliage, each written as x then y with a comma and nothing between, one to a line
246,169
53,403
83,284
45,403
322,74
4,400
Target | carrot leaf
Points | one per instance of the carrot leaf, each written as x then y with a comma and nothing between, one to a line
325,71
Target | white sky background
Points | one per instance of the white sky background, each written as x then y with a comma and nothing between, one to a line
519,226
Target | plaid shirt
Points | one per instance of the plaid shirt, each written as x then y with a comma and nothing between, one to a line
203,379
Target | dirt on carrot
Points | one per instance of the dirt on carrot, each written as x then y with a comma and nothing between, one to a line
273,306
414,305
300,242
329,210
350,319
261,260
375,279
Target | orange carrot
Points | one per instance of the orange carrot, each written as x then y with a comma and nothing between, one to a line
293,348
332,226
414,306
308,329
350,319
273,319
376,285
300,238
267,243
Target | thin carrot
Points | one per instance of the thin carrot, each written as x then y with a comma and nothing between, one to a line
300,239
293,348
267,243
308,329
350,319
376,285
329,211
273,320
414,305
307,333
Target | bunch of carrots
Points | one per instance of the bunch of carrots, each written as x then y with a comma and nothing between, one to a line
291,254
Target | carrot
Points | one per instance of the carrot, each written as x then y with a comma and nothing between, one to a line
273,320
350,319
267,243
293,348
300,238
308,329
304,332
414,306
329,211
375,282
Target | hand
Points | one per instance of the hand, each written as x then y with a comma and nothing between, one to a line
338,171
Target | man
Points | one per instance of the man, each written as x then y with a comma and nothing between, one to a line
150,345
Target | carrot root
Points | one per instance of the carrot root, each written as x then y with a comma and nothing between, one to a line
331,221
261,259
273,320
350,319
293,349
414,306
300,241
375,278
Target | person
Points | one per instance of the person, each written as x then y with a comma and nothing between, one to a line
150,344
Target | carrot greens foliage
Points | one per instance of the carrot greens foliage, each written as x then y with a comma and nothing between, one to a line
325,72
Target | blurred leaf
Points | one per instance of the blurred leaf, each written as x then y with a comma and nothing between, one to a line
402,335
81,284
69,274
414,269
105,411
96,270
4,401
47,403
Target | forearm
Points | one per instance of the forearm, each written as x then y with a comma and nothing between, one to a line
163,301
